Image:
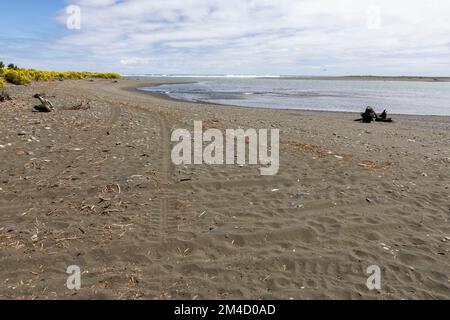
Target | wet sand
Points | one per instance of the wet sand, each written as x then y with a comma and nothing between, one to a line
96,188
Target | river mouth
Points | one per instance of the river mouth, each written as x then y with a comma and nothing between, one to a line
399,97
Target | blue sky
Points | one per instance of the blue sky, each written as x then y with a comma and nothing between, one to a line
261,37
26,16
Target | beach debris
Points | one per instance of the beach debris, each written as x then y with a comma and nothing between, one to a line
301,194
35,238
104,199
383,117
46,105
371,165
20,152
4,96
388,248
8,229
111,188
370,115
296,206
83,105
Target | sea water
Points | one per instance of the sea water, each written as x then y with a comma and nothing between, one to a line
400,97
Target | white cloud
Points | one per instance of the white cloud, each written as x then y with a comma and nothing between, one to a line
264,36
135,61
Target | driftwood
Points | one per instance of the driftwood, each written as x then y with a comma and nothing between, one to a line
383,117
4,96
370,115
46,105
82,106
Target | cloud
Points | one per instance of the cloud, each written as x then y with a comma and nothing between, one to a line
263,36
135,61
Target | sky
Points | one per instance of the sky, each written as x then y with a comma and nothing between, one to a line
252,37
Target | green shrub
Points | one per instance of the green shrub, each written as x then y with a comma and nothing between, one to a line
23,76
105,75
39,75
2,83
2,65
19,77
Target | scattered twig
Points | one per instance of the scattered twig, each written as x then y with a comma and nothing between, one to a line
68,239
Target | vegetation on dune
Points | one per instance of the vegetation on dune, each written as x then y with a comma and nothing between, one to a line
18,76
2,83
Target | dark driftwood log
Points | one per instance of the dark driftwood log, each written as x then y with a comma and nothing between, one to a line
384,120
370,115
383,117
46,105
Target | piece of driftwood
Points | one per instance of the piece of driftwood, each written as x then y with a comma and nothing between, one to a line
4,96
84,105
46,105
370,115
383,117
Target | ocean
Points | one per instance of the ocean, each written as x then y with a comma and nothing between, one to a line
400,97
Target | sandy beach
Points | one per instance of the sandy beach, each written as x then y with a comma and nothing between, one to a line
97,188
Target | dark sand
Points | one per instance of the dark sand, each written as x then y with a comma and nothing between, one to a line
96,188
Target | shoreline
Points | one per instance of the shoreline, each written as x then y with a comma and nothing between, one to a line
366,78
164,96
318,78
